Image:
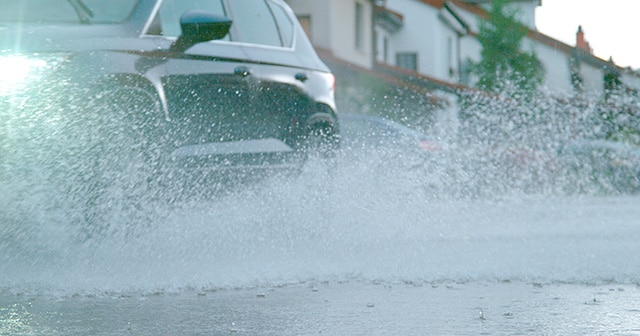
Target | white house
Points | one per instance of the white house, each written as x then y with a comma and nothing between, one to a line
342,28
525,10
428,41
437,38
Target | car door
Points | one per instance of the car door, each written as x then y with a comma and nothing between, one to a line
272,64
207,86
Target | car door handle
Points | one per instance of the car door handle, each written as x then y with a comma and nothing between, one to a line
242,71
301,76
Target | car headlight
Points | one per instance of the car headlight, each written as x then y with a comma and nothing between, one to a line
18,72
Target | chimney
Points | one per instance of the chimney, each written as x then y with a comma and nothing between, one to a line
581,43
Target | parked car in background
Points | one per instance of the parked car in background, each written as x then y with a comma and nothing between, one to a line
602,166
391,149
122,94
360,131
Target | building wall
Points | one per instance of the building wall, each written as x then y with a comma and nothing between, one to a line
592,79
631,79
320,29
469,54
557,67
436,44
333,27
525,11
440,51
344,44
382,53
555,61
418,37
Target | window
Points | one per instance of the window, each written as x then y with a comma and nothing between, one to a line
253,22
407,60
305,22
359,29
450,57
284,24
385,49
110,11
260,22
172,10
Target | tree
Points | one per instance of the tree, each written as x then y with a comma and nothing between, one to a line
502,60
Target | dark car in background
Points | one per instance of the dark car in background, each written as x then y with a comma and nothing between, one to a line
361,131
601,166
394,145
131,94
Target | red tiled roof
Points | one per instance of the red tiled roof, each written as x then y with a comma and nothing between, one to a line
434,3
396,76
550,41
418,79
474,9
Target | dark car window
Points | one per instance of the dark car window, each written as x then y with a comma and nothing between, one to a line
253,22
172,10
61,11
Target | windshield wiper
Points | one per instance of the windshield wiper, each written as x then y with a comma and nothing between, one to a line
85,14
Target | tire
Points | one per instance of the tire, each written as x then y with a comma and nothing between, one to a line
321,140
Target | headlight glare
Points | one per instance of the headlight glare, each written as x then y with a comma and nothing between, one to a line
18,72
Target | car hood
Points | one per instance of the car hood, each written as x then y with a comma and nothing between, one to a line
16,38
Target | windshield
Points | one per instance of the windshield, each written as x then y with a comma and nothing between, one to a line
66,11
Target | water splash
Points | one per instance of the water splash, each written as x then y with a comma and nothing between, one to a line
485,210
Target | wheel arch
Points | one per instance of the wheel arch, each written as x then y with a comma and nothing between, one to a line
323,114
325,119
135,81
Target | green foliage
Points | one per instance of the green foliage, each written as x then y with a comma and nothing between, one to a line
503,63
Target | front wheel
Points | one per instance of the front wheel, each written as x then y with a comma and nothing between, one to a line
116,158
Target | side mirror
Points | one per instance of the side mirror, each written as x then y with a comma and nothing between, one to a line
198,27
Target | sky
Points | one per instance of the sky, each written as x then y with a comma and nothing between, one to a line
612,27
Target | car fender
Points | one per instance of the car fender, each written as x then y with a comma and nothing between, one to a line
99,70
